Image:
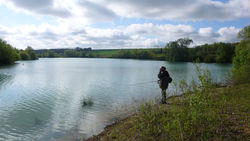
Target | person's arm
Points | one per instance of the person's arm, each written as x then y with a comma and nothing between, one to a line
159,75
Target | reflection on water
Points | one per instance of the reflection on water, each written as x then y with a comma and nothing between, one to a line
43,100
5,80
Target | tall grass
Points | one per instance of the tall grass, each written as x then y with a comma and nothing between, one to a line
87,102
191,116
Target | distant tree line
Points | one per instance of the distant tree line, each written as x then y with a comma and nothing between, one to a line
76,52
139,54
113,53
217,52
9,54
174,51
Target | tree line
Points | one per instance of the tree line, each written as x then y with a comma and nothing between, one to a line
217,52
9,54
174,51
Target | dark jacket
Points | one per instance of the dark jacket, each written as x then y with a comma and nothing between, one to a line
164,79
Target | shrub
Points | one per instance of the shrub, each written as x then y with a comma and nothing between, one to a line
8,54
241,61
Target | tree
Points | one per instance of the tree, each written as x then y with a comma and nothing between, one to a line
224,53
241,61
24,55
51,54
245,33
68,53
32,55
178,50
8,54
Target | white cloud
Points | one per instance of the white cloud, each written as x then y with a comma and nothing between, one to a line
206,32
132,36
228,34
108,10
73,18
53,8
180,9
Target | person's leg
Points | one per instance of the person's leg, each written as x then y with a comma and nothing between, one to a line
163,94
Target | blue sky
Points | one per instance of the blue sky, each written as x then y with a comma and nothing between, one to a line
120,24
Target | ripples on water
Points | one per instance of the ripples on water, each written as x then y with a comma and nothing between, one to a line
43,100
4,80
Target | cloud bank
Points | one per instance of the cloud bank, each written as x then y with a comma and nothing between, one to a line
74,19
148,9
132,36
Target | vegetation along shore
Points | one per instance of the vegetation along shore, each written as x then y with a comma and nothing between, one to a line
175,51
204,111
9,54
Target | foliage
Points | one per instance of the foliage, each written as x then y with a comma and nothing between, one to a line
30,51
224,53
24,55
245,33
174,51
178,50
216,52
51,54
241,61
8,54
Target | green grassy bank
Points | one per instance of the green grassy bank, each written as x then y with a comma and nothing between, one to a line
208,114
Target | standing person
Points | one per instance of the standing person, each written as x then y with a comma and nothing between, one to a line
163,82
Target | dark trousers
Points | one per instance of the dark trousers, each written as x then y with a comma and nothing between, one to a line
163,96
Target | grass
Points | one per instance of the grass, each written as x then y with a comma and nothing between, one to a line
106,53
87,102
224,116
203,112
115,53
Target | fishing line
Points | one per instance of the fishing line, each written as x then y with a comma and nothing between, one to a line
142,83
147,87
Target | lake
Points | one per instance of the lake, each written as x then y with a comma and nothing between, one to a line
43,99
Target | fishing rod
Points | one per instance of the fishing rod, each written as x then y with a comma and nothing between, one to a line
143,83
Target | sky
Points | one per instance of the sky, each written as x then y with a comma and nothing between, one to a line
117,24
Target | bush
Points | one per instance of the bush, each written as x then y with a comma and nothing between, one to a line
31,53
8,54
24,55
241,61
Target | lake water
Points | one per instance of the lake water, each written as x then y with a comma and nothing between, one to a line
43,99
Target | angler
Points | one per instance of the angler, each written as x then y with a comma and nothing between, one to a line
165,79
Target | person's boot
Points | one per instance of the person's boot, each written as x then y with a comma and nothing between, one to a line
163,100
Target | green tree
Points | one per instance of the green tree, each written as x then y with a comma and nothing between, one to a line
209,58
224,53
69,53
24,55
178,50
30,51
245,33
51,54
8,54
241,61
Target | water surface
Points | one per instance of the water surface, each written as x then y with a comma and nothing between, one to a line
42,100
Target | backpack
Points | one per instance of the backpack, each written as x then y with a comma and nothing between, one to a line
169,79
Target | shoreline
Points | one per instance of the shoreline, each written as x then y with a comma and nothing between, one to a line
116,130
126,118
